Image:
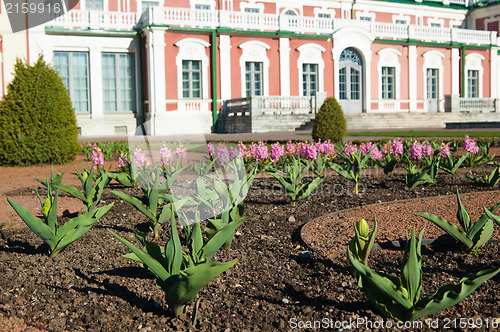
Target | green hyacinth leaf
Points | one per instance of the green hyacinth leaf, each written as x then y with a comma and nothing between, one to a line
411,272
449,295
135,202
180,289
463,216
382,290
483,236
35,224
310,187
218,240
493,217
173,249
155,266
449,228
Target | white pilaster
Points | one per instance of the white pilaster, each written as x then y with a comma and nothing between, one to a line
495,58
156,70
455,71
95,67
412,77
225,66
285,66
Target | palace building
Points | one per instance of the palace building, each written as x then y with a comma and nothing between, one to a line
196,66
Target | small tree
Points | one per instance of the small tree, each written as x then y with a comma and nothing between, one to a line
329,123
37,120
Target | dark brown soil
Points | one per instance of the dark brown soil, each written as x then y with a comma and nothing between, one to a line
278,283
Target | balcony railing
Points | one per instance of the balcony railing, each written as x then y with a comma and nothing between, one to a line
196,18
92,19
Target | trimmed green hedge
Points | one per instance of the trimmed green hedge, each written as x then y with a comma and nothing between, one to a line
330,123
37,120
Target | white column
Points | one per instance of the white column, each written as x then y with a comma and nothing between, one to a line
225,66
412,76
495,93
95,67
455,71
285,66
156,74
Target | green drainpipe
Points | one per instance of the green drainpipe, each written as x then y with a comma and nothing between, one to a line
214,80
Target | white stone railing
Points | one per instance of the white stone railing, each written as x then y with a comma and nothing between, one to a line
453,103
279,104
477,104
197,18
91,19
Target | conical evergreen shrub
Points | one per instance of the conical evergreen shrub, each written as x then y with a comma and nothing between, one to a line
329,123
37,120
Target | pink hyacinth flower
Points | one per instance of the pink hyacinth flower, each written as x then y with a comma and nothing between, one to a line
139,158
261,152
181,152
416,151
350,149
397,147
97,156
165,155
426,149
470,145
277,151
222,154
444,151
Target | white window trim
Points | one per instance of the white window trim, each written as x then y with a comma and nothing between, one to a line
295,10
139,4
254,51
439,21
252,5
434,59
473,61
330,12
366,13
389,57
105,5
211,3
192,49
455,22
396,17
135,55
311,53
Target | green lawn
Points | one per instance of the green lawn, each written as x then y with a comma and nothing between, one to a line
426,133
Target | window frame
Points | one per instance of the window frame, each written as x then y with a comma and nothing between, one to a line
118,79
250,78
70,87
190,80
388,83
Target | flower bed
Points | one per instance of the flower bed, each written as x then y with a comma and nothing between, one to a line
276,284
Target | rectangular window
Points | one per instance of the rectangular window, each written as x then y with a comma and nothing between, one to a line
355,84
343,83
365,18
146,4
118,78
73,68
432,83
436,25
404,22
324,15
309,78
254,79
191,79
388,83
473,83
94,4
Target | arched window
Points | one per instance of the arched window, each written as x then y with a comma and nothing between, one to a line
192,69
474,75
254,65
311,68
433,80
